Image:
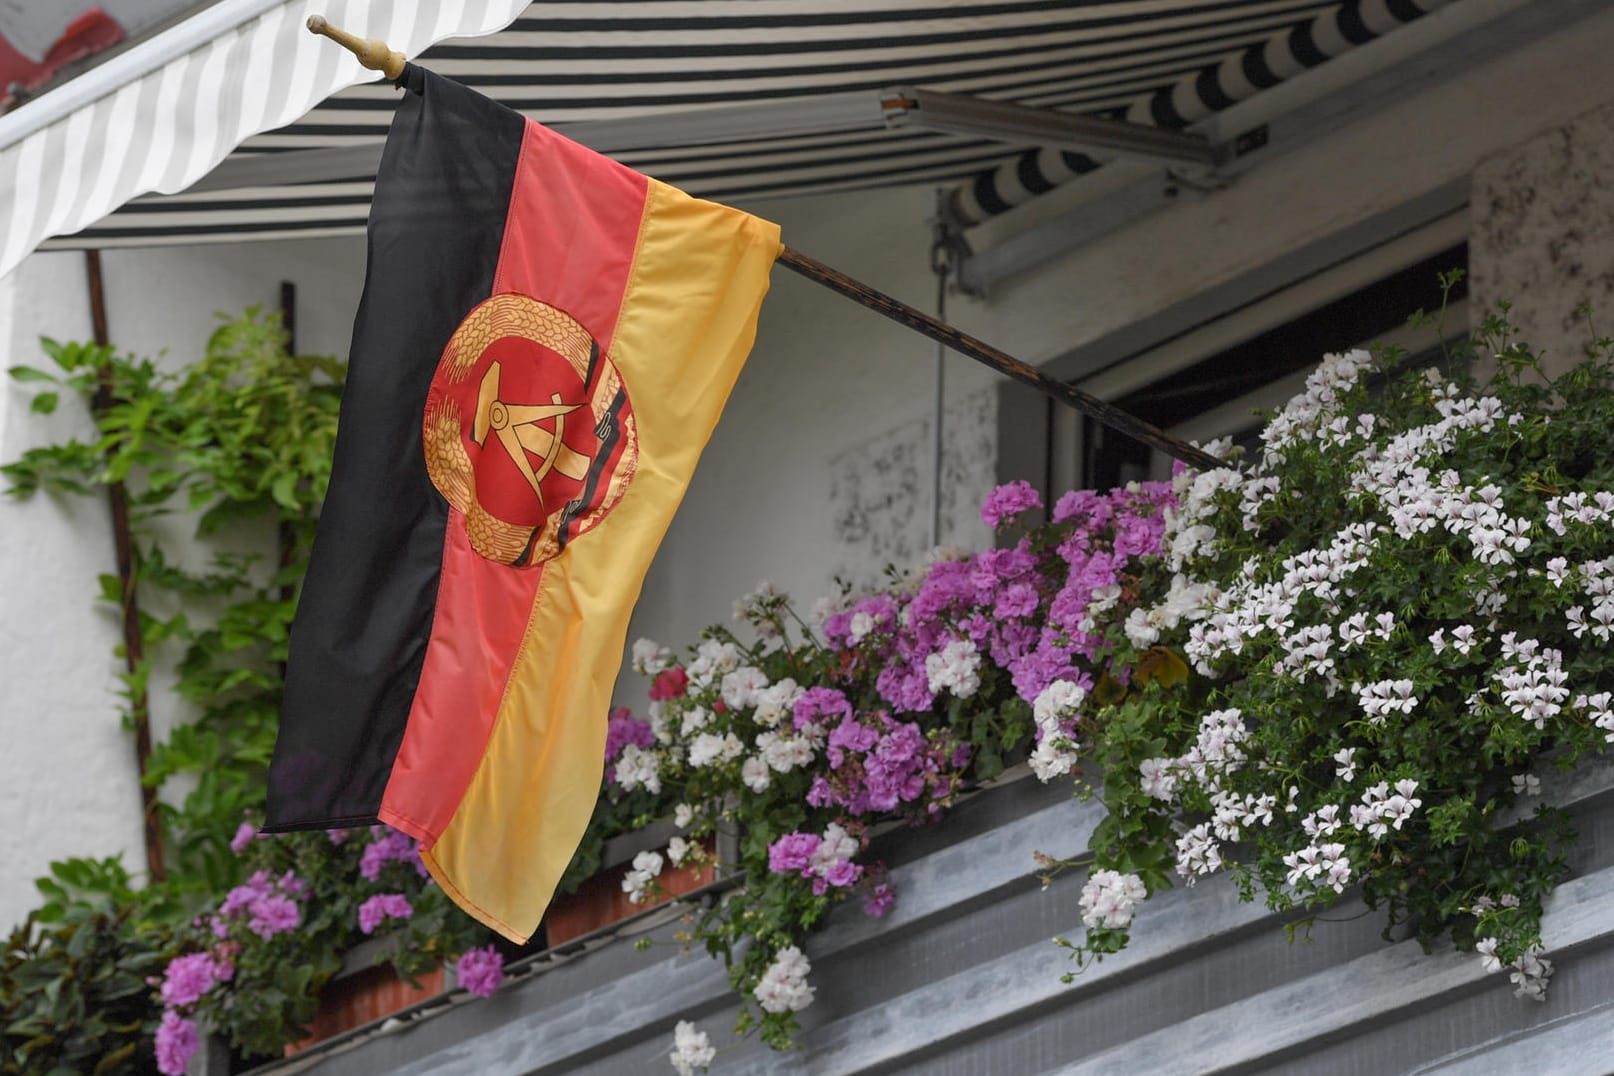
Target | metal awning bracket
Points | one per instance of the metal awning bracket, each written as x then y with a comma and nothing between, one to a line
1021,124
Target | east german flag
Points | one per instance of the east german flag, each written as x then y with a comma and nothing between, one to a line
544,344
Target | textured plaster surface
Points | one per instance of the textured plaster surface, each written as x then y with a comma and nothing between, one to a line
881,490
67,769
1543,234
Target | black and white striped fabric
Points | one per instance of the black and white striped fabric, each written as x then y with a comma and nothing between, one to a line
1237,76
572,64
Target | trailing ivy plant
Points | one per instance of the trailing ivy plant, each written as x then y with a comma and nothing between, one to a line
229,454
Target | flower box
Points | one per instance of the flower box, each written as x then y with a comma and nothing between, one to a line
601,901
365,991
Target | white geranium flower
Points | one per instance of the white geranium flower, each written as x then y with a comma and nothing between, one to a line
1109,898
774,702
755,774
710,749
1159,778
712,660
660,722
954,668
1386,697
858,630
1198,853
783,987
741,687
783,752
1530,974
760,607
650,657
678,850
695,719
1058,702
1055,756
636,883
1345,764
837,844
692,1050
1598,708
638,768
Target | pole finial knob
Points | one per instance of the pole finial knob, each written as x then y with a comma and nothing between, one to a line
373,53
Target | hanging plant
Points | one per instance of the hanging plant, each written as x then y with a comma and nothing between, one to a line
1400,612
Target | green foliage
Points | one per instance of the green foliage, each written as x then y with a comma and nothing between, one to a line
236,446
73,993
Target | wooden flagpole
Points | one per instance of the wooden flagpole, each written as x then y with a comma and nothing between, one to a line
376,56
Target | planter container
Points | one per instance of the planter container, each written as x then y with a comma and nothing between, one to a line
364,991
600,901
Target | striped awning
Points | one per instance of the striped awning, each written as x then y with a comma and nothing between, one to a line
784,93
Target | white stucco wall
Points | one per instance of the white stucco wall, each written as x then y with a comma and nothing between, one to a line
820,465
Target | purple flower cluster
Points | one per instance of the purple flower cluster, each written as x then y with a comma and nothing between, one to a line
177,1041
826,860
269,905
624,729
792,853
185,981
1008,501
187,978
818,707
871,617
1025,608
878,764
879,900
389,845
480,971
381,907
243,837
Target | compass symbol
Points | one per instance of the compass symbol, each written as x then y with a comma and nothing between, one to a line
519,432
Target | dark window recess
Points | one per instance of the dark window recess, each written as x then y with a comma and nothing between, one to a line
1109,457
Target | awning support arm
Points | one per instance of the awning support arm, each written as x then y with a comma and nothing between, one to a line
1003,121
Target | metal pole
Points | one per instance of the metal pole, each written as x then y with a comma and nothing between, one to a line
128,599
1088,404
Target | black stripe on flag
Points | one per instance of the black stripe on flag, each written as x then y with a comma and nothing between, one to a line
365,614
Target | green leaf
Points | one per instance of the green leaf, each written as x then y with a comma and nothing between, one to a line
44,403
29,373
284,490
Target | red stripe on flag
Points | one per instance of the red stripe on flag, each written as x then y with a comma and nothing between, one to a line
569,241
